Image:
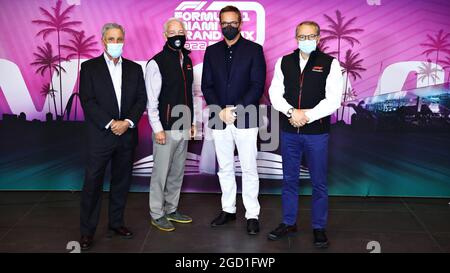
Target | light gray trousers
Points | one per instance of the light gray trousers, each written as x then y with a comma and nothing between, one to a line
167,172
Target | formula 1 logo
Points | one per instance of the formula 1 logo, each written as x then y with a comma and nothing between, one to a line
203,22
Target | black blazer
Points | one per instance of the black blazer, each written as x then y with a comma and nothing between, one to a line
99,102
245,84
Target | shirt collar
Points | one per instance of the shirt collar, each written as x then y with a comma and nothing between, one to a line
301,58
234,45
111,62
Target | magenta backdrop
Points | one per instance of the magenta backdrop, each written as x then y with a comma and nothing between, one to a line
392,34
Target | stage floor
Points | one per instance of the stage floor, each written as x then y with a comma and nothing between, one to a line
47,221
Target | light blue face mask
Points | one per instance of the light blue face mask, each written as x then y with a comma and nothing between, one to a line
114,50
307,46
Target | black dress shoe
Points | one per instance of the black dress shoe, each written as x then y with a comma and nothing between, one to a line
320,238
223,218
123,232
281,231
86,242
252,226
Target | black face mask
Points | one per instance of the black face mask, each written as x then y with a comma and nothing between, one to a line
176,42
230,32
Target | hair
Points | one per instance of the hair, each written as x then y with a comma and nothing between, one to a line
173,19
232,9
308,23
109,26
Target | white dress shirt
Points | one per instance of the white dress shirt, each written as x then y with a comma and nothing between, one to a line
153,84
115,70
333,91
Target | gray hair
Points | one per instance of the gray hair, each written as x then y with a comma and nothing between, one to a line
308,23
109,26
173,19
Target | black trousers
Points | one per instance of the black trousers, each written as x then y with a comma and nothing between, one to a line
121,158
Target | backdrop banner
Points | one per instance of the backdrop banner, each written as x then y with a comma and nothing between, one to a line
391,137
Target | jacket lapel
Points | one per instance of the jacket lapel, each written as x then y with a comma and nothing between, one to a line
106,76
219,59
125,80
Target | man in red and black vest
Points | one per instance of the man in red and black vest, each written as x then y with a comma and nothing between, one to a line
306,88
168,79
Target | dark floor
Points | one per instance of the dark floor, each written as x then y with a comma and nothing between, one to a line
47,221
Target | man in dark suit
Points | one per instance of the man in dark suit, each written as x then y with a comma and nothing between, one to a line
113,97
234,73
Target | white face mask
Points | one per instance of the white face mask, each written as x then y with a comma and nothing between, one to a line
114,50
307,46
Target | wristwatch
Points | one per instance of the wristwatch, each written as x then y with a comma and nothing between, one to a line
289,112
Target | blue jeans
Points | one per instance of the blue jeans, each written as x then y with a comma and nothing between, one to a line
315,149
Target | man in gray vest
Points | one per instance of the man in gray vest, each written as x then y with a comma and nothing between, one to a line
306,88
169,79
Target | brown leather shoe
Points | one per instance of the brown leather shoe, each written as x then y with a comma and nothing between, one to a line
86,242
123,232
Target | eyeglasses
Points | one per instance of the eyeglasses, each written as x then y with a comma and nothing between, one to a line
173,33
226,24
309,37
113,39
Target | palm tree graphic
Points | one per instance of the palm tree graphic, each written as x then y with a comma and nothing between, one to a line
446,62
438,44
323,47
427,71
46,61
340,30
57,21
47,90
351,95
352,67
80,46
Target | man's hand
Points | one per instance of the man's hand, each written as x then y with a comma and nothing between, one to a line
193,131
226,115
160,137
119,127
299,118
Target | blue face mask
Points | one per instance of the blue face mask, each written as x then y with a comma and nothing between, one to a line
115,50
307,46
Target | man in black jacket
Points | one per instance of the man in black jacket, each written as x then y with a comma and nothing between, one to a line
113,97
234,73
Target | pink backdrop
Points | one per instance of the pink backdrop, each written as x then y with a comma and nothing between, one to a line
388,44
